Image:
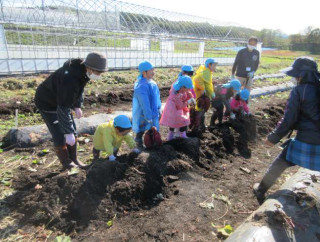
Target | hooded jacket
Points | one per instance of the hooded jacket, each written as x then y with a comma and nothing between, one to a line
106,138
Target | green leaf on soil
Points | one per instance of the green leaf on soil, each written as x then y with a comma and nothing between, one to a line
206,205
226,230
1,150
35,161
62,239
6,182
73,171
110,223
222,198
45,151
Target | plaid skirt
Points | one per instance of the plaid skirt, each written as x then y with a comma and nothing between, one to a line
304,155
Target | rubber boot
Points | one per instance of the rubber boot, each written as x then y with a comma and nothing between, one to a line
259,192
63,155
203,126
96,153
197,121
183,135
73,156
139,143
170,135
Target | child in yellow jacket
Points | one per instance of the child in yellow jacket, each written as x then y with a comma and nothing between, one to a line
109,136
202,82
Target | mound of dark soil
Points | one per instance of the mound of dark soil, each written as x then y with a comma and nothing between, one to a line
134,182
70,202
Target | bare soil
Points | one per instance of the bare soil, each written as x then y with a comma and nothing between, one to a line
156,195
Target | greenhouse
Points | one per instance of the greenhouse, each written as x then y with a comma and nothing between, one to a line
39,35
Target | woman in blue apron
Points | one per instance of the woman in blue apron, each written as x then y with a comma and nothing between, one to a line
302,114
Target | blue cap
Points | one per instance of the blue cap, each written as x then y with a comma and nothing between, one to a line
209,61
187,68
183,81
122,121
245,94
145,66
235,84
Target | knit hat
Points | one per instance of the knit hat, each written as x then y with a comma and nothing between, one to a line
96,61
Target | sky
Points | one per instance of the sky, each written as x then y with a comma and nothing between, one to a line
290,16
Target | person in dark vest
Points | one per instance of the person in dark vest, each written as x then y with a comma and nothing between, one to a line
61,93
302,114
246,63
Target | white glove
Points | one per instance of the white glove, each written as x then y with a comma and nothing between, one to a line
136,150
251,74
78,112
192,101
112,158
232,116
70,139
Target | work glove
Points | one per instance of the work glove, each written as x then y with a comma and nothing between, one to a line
232,116
136,150
232,77
112,158
78,112
191,101
70,139
251,74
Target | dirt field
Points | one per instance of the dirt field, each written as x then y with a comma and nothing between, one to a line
175,193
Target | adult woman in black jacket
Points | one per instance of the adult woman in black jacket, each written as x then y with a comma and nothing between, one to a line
61,92
302,114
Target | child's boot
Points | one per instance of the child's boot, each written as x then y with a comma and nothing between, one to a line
170,135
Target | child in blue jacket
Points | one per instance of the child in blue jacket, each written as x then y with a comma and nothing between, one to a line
146,102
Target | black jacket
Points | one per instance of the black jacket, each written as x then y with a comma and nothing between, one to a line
224,95
63,90
246,59
302,114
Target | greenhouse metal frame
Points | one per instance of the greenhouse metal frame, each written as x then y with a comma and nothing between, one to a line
40,35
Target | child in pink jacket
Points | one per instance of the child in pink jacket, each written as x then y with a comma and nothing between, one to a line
239,104
176,111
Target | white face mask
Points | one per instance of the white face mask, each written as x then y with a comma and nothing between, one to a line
251,47
294,81
93,76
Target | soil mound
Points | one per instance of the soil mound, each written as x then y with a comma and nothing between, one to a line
70,202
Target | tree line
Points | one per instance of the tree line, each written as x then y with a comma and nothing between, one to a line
309,40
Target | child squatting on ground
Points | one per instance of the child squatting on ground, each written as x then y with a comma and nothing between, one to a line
176,111
109,137
146,103
222,98
239,104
